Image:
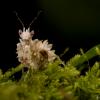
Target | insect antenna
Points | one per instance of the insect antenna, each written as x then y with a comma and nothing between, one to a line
35,18
19,19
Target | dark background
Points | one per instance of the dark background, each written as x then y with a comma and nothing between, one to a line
69,24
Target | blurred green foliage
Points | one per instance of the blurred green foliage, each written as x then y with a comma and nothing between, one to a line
55,82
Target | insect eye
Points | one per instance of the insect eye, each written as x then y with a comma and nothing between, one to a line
20,32
32,32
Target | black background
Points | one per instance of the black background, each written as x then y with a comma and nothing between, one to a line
45,28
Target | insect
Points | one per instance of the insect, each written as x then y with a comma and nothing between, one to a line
33,53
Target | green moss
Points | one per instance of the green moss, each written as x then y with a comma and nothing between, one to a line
55,82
